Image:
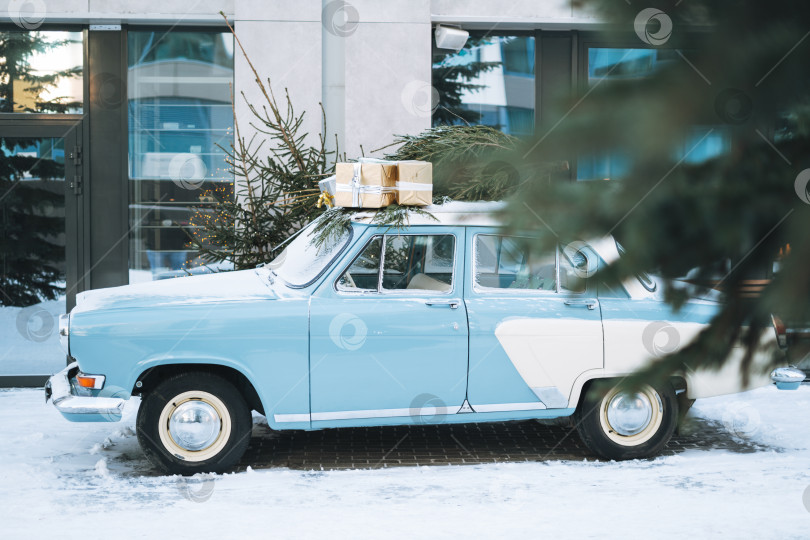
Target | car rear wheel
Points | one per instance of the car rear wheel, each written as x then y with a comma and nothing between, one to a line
194,422
615,423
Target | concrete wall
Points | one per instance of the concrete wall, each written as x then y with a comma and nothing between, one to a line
368,62
512,14
282,39
387,73
118,11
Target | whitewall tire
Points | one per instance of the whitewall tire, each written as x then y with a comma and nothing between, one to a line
617,423
194,422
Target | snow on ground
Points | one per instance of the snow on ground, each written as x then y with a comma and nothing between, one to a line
30,338
65,480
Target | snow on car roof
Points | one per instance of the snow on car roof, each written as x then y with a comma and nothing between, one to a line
481,213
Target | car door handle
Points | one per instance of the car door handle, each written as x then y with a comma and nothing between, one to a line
452,304
590,303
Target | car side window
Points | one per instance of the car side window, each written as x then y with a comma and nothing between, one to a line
364,272
574,269
502,262
410,262
423,262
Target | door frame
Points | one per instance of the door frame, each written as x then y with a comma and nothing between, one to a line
69,127
517,395
327,291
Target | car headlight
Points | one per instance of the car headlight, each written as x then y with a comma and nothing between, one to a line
64,332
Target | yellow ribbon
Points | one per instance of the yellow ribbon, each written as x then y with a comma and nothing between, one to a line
326,199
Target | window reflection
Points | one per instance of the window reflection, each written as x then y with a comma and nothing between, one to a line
703,144
622,64
180,119
614,64
363,274
490,82
32,253
412,262
503,262
41,72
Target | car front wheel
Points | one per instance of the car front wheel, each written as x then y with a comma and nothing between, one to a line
194,422
615,423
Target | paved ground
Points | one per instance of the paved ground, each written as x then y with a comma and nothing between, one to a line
403,446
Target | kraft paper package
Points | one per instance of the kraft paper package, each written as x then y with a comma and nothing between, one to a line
376,183
366,184
415,183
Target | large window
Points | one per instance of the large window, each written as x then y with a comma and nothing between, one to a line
490,82
41,72
606,64
180,122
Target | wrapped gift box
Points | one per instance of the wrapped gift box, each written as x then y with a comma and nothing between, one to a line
414,183
327,185
365,185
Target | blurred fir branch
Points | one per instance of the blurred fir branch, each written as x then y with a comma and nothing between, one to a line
731,71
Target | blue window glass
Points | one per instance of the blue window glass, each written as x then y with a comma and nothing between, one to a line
611,64
703,144
491,82
518,56
622,64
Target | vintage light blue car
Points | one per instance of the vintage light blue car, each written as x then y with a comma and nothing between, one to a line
447,321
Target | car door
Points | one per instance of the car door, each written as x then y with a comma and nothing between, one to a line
388,336
535,323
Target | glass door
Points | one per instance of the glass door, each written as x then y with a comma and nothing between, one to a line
40,191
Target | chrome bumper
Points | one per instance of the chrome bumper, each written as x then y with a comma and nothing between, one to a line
80,408
787,378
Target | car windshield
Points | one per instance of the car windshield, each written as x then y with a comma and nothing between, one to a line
303,260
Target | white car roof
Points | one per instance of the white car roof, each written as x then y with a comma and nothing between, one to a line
480,214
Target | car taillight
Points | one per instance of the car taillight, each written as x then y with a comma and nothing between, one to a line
781,331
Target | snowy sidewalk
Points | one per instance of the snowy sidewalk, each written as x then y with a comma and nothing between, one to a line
57,479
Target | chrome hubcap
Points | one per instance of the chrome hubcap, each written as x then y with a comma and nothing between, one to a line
628,414
194,425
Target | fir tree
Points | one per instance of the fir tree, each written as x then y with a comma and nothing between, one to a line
31,258
17,48
277,176
453,75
